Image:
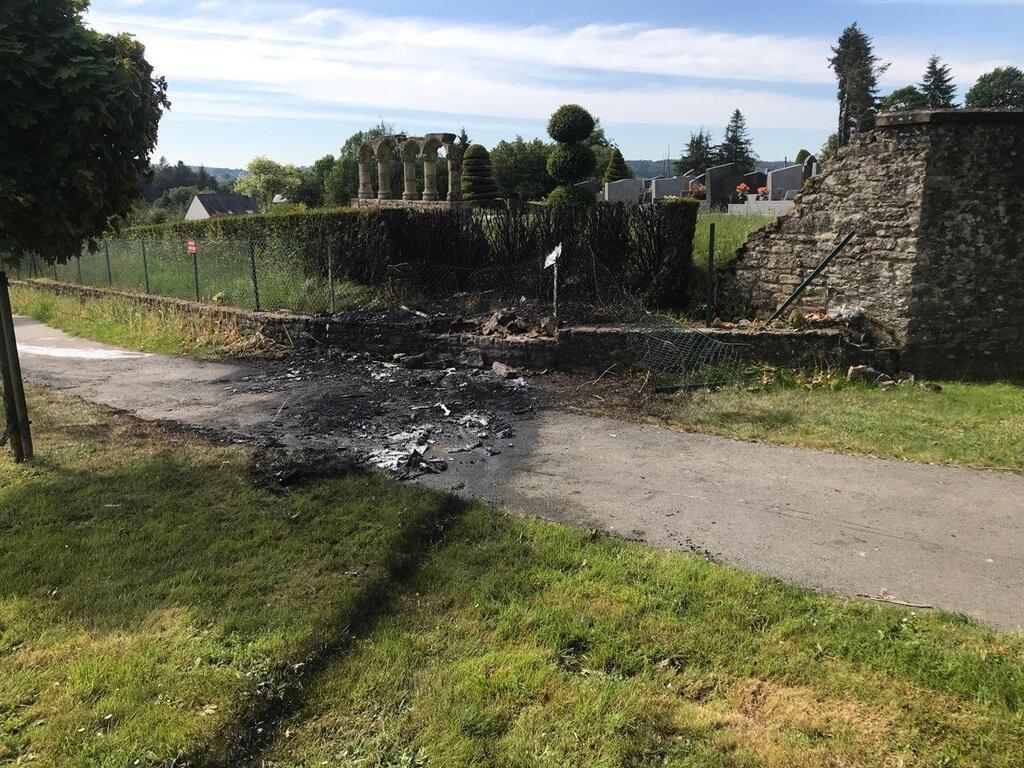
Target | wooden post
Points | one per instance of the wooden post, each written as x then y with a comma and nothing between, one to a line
12,373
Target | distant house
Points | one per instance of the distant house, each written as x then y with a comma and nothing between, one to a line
207,205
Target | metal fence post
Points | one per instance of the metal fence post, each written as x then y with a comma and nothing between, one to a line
709,288
145,265
110,274
195,270
255,281
55,271
330,280
78,262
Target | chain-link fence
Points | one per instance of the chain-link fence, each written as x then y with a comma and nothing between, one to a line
242,273
617,266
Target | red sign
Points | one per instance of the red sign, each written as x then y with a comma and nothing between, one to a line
192,247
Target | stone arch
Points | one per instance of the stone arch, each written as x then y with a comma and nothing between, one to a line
409,150
432,143
366,157
384,150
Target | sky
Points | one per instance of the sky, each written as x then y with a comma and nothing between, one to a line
292,80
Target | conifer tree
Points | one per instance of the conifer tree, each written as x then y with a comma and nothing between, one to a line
699,153
617,169
736,143
857,71
938,87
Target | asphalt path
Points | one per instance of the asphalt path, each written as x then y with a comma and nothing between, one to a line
941,536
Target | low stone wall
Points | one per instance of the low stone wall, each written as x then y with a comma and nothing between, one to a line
761,208
937,261
579,348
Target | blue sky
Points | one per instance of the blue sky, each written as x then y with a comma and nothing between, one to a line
292,80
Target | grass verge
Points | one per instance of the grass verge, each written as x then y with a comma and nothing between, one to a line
975,424
521,643
132,324
152,599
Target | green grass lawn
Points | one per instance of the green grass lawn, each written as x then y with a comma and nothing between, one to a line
155,603
972,423
730,233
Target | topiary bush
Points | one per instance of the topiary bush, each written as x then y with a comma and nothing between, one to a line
478,184
570,123
570,197
802,155
569,163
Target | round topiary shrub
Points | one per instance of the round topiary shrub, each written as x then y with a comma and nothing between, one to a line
802,155
570,197
570,123
478,184
569,163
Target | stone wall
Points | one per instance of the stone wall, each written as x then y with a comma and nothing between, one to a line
580,348
937,262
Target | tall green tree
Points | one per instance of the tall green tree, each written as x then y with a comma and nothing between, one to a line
617,169
520,169
902,99
78,124
1002,88
342,181
310,191
77,127
857,71
699,153
267,179
736,146
937,86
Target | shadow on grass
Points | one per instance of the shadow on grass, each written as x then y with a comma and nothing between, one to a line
115,524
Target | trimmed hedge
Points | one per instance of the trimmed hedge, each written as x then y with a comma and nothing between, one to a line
569,163
646,250
478,184
570,123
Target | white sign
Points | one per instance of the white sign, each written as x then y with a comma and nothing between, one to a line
553,256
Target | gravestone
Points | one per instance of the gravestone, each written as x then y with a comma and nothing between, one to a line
674,186
755,181
721,182
784,180
810,167
628,191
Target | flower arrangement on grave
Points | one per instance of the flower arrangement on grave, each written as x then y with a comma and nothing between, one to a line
763,193
741,192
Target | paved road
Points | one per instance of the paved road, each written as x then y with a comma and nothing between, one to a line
949,537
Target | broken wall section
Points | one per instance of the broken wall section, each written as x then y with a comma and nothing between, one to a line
937,263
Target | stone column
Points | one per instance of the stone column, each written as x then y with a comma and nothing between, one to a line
430,175
454,173
409,173
366,179
383,178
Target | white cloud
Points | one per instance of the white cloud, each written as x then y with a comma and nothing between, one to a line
626,73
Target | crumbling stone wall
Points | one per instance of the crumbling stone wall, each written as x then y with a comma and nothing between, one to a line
937,203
